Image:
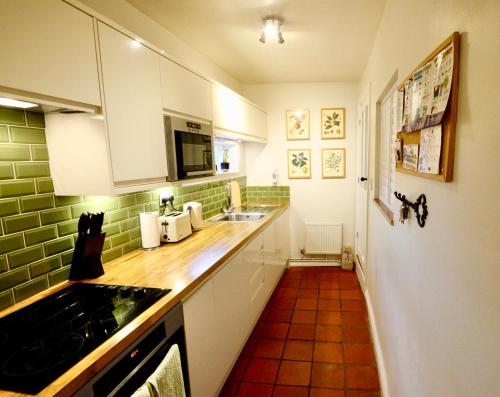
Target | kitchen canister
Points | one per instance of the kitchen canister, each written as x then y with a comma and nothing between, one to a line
150,229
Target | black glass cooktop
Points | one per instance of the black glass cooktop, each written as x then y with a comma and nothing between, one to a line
43,340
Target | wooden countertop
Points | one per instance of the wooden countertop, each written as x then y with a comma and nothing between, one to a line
181,266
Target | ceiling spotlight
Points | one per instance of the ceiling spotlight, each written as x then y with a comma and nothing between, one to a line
271,30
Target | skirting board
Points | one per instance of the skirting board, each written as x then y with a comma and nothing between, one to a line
292,263
382,373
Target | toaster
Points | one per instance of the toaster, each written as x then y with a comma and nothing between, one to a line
174,227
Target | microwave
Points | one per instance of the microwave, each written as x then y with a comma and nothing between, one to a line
190,148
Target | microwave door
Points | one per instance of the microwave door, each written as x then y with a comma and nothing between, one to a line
194,154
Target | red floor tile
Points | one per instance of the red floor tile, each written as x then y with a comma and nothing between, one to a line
295,373
269,348
315,392
301,331
327,375
230,389
348,276
329,294
309,283
352,306
284,303
351,294
290,391
304,317
298,350
357,393
329,284
306,304
328,318
287,292
328,352
355,334
279,315
362,378
353,318
255,389
329,305
308,293
239,369
349,284
261,370
249,347
358,353
328,333
274,330
290,283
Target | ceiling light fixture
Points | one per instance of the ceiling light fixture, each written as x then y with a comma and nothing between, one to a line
14,103
271,30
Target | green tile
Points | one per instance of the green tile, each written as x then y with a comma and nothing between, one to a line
6,299
66,257
11,243
94,206
113,253
62,201
35,119
107,244
40,235
70,227
58,276
56,246
32,169
135,234
34,203
19,223
45,266
120,239
27,135
3,264
111,229
134,211
14,277
12,116
129,224
56,215
11,152
30,288
16,188
44,185
144,197
4,134
154,206
117,216
126,201
132,246
39,153
6,171
25,256
9,207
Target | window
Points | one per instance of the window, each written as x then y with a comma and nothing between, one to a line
388,124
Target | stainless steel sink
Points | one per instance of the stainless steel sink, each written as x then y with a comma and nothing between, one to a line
240,217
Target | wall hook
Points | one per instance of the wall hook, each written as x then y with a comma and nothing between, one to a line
419,206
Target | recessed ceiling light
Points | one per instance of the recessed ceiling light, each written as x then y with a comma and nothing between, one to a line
14,103
271,30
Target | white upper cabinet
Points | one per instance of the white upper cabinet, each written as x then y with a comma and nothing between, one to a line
184,91
133,107
48,48
234,114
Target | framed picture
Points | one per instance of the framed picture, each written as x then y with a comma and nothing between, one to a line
333,123
299,163
297,125
333,163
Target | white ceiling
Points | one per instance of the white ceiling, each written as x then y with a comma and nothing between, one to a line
325,40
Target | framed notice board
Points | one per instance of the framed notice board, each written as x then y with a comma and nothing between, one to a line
428,99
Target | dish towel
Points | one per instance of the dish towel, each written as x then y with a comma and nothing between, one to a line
167,379
146,390
234,193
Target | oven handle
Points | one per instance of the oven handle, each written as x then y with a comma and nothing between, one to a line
194,173
137,368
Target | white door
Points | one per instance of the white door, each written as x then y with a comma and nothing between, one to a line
362,181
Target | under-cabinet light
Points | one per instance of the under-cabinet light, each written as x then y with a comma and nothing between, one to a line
14,103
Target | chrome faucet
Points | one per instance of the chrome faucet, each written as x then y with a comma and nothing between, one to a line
230,206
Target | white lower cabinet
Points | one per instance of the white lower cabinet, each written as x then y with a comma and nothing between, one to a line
220,315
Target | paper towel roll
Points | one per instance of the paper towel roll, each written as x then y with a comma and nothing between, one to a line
150,229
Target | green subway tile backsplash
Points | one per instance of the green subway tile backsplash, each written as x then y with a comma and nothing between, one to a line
38,229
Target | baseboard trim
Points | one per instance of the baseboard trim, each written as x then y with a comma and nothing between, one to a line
382,373
292,263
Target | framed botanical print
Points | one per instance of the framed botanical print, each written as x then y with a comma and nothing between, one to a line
297,125
333,163
333,123
299,163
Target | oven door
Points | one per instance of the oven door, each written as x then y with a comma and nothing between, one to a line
194,154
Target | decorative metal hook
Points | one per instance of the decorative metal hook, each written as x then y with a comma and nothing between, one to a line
421,202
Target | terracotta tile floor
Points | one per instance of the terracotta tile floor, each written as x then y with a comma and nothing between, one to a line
312,340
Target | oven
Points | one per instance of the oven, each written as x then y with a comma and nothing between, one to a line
190,148
127,372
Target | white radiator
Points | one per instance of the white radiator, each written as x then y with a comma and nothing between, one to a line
323,238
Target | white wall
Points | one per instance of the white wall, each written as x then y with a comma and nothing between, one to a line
315,199
132,19
435,292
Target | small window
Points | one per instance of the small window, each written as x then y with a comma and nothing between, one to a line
227,155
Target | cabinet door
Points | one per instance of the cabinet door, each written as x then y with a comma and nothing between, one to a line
133,107
272,264
202,342
229,112
256,121
48,48
254,261
283,237
183,91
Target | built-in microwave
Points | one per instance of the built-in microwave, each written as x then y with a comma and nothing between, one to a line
190,148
